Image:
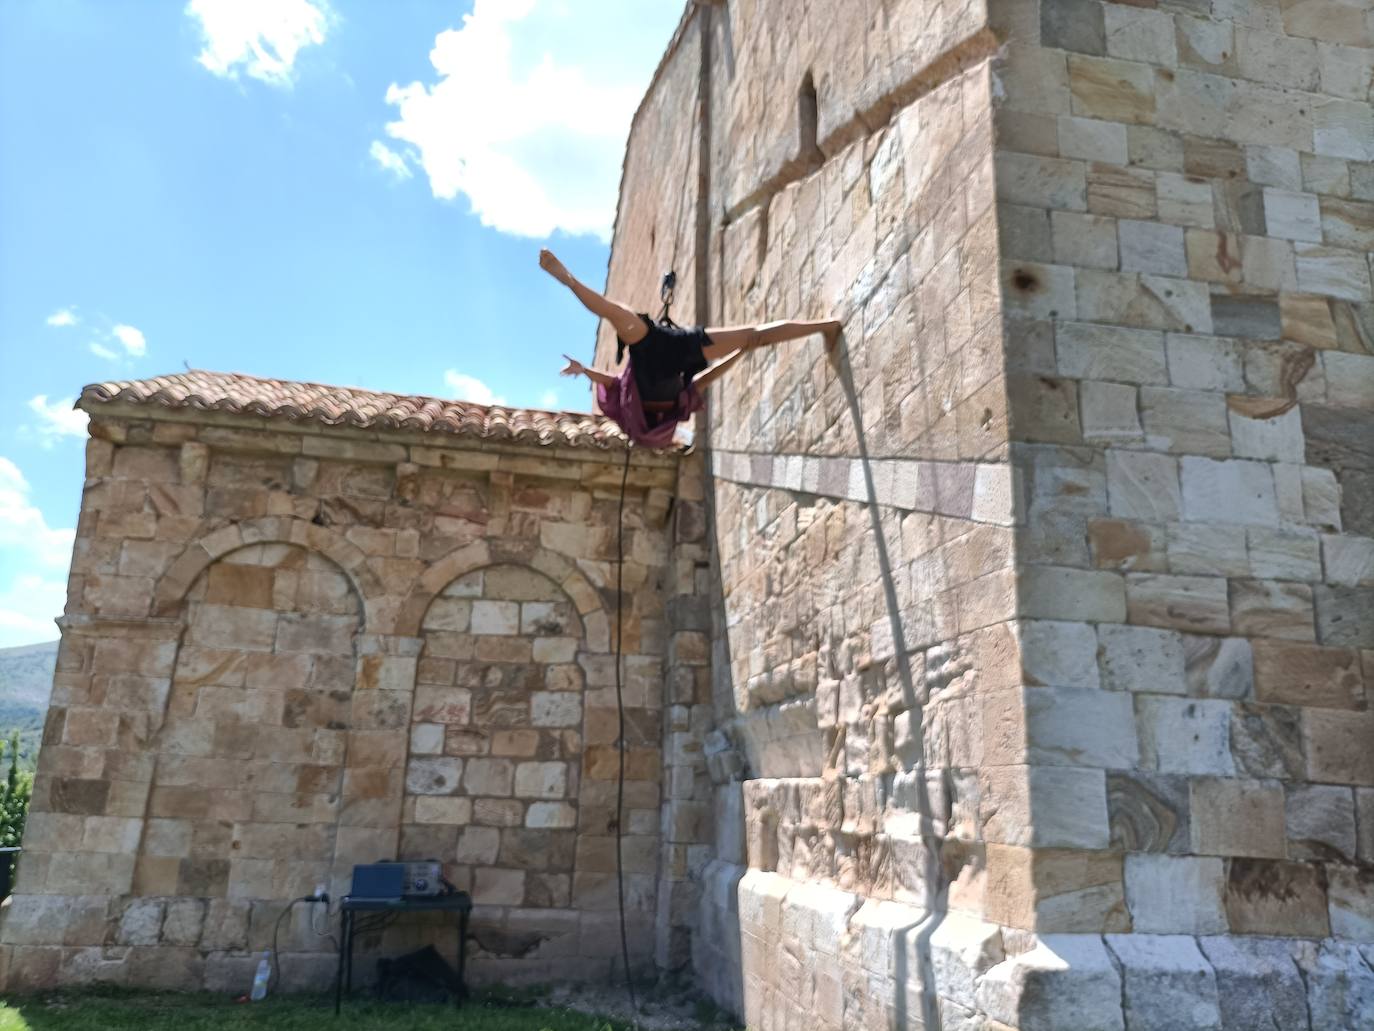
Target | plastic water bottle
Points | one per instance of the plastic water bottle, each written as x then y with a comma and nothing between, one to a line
261,978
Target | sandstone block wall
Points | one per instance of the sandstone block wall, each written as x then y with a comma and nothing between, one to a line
1186,223
1042,645
288,650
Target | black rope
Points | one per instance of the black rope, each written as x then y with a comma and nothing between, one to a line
620,735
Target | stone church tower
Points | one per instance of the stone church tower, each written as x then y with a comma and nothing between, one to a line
1044,630
1009,669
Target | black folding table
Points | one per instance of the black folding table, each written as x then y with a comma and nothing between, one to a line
459,902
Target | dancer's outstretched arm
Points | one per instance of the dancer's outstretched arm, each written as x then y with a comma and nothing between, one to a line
726,339
629,327
576,368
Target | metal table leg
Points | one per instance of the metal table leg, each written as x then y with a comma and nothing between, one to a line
462,954
345,926
348,964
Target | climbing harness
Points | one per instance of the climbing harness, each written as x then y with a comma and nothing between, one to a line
665,294
620,732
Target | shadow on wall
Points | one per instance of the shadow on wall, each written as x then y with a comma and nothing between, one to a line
930,1016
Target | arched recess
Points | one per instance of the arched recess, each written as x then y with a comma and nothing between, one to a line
172,587
496,742
479,554
248,759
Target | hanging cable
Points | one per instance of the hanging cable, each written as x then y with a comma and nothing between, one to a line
620,733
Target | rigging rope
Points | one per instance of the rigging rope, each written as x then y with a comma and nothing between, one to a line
620,733
669,285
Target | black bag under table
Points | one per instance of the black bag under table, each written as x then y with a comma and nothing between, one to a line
459,902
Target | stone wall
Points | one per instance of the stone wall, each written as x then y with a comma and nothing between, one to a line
1044,608
289,649
1185,209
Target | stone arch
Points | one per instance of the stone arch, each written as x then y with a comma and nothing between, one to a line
497,741
479,554
171,588
249,753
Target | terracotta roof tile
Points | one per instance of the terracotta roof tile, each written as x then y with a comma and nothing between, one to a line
352,406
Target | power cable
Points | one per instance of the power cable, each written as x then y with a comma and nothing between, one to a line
620,734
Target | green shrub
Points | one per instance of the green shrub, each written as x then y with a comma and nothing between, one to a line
15,792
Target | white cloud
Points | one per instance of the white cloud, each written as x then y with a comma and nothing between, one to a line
530,112
101,351
23,529
33,561
58,418
260,38
470,388
62,317
389,160
28,605
549,399
132,339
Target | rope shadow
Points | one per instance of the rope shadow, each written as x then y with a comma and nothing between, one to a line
930,1015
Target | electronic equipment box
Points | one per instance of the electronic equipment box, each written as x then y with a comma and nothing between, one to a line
398,880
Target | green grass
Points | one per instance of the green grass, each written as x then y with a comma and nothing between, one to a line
129,1011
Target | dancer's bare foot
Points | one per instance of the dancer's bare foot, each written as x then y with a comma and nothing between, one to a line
831,333
550,264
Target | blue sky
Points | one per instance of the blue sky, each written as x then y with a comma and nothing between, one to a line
345,191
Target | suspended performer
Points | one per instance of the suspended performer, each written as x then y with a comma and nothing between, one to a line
660,386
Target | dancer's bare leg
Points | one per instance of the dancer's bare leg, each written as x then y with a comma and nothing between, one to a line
726,339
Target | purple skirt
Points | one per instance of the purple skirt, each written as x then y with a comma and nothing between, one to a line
621,404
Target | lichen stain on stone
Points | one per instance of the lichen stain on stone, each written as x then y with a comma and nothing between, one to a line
1258,879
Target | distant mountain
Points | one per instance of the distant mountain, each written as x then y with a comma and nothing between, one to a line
25,683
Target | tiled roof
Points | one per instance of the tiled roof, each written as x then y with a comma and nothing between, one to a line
352,406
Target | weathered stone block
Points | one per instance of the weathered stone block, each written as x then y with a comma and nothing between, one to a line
1237,817
1299,674
1321,822
1184,735
1351,894
1049,592
1185,421
1141,659
1228,492
1337,746
1281,555
1267,608
1073,25
1064,981
1257,982
1206,550
1084,241
1219,668
1119,91
1167,985
1205,363
1340,985
1267,896
1272,437
1142,485
1345,616
1191,603
1267,741
1073,727
1044,807
1108,414
1175,894
1058,654
1152,247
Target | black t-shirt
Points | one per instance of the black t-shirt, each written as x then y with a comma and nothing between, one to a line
667,359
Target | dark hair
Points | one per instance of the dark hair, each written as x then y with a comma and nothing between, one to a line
619,350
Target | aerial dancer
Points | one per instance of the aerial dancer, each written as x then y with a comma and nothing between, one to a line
660,386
